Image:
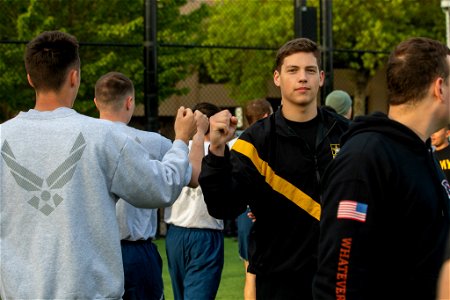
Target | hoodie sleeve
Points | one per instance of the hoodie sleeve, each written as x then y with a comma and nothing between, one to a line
346,227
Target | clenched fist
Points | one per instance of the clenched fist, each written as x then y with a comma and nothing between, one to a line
185,125
222,128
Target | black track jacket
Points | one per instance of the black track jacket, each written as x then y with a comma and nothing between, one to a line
385,216
273,170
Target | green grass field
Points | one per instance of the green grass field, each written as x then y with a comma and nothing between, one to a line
232,282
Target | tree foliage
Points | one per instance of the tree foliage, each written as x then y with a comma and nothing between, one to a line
357,25
380,25
258,24
111,34
12,70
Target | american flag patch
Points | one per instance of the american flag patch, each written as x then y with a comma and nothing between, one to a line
352,210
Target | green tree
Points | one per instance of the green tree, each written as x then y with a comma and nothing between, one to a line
266,24
357,25
119,26
12,72
380,25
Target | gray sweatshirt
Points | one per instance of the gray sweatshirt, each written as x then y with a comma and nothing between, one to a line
140,223
61,174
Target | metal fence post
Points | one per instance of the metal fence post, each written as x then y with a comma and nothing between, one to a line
327,44
150,66
445,5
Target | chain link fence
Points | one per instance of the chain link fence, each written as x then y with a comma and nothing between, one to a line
198,86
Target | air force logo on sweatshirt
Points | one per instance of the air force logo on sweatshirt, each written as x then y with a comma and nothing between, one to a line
43,195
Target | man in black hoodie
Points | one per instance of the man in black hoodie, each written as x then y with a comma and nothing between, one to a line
385,209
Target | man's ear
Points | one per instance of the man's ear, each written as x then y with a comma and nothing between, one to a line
276,77
129,102
438,88
321,78
30,81
73,77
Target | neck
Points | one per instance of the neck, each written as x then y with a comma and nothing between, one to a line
48,101
415,117
114,116
298,113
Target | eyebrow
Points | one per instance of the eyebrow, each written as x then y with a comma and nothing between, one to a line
306,67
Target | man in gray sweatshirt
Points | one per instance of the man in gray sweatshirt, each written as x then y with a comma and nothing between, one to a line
142,263
61,174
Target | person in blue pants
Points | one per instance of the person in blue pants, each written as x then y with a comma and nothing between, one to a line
194,240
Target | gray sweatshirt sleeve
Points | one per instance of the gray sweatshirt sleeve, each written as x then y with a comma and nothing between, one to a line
148,183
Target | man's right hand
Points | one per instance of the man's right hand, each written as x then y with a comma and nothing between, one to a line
222,128
185,125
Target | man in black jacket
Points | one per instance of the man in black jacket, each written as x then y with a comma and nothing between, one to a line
385,209
275,167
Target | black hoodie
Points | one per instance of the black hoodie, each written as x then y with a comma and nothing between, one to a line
385,215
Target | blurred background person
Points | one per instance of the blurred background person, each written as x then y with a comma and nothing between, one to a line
440,143
341,102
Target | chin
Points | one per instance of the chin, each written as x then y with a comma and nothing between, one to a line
304,102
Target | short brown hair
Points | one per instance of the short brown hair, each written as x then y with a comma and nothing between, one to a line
413,65
111,89
207,108
295,46
256,109
49,57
